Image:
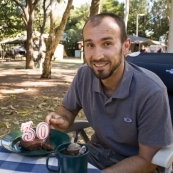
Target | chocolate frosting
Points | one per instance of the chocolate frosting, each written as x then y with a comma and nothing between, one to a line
36,144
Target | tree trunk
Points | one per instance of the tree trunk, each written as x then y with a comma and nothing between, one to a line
29,44
95,7
170,36
28,18
94,10
47,65
126,12
41,54
54,41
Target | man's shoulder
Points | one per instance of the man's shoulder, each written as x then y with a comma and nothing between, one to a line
84,67
146,77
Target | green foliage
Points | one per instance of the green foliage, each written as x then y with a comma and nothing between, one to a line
156,19
138,7
159,19
79,16
39,16
112,6
10,19
74,26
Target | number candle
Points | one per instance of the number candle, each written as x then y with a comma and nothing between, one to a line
28,132
42,130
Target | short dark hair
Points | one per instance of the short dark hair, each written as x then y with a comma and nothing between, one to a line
97,19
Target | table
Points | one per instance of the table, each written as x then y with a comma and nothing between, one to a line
15,163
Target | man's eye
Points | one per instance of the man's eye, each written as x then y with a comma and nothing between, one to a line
107,44
90,45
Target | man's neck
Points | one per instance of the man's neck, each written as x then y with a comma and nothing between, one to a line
110,84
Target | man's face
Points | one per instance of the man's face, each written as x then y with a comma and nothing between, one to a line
103,47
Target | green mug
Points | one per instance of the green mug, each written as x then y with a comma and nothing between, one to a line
68,163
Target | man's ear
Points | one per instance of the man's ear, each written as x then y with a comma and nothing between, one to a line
126,46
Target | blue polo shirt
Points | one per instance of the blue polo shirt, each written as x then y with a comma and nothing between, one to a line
138,111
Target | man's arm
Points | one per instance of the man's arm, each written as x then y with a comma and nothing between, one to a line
136,164
62,119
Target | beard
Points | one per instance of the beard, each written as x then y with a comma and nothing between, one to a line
100,74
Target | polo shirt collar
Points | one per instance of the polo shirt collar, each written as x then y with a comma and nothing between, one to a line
122,90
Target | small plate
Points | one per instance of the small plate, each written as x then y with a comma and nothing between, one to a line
12,140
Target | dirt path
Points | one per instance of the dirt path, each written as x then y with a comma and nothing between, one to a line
25,96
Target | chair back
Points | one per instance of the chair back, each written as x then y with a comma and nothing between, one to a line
162,65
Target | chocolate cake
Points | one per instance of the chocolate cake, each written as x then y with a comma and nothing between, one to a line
36,144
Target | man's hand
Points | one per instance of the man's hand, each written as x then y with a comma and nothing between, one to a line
57,122
62,119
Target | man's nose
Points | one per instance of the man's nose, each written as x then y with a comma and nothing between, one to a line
98,53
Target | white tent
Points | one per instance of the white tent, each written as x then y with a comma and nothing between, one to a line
138,41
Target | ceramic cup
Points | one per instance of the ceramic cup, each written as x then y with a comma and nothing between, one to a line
68,163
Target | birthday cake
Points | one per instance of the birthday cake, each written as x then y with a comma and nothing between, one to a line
36,144
32,140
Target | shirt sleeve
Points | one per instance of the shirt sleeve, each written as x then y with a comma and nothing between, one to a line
154,122
71,99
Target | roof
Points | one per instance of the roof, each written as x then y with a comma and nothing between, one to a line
135,39
21,39
14,40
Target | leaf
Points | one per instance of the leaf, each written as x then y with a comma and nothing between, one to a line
13,84
16,122
12,107
9,112
42,104
39,106
3,108
13,97
23,115
1,125
7,124
23,111
36,111
39,116
45,97
6,119
51,109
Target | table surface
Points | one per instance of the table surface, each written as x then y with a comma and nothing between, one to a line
16,163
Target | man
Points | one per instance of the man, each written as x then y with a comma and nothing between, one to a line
126,105
143,49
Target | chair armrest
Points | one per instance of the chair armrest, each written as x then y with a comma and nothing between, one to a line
78,125
164,157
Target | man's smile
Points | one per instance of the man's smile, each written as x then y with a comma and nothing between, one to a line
100,64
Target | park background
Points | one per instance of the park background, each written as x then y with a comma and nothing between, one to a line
31,32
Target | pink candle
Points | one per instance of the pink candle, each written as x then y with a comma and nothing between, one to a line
42,130
28,132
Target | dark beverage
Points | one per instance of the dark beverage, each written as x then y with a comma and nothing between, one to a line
70,153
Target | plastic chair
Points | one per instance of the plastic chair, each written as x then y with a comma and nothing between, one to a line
161,64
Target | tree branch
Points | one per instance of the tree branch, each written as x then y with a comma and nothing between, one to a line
19,4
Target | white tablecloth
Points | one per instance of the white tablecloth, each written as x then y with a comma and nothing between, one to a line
16,163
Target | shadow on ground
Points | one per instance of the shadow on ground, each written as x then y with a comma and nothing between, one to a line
14,79
24,96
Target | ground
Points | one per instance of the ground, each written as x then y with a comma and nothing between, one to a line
24,96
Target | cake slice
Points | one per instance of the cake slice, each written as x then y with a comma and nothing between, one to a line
36,144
